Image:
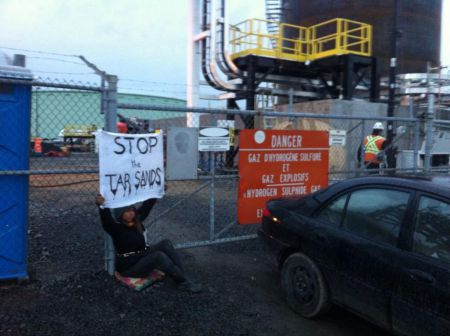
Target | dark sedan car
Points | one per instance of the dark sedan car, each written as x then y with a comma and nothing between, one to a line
378,246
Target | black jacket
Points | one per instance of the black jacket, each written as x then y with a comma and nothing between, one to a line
126,239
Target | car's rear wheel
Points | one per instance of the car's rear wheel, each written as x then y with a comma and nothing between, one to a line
304,286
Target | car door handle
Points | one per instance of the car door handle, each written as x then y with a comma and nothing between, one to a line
421,276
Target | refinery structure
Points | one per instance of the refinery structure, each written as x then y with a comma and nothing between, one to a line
316,50
353,58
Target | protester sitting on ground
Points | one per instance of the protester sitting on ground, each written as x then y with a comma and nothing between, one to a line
134,258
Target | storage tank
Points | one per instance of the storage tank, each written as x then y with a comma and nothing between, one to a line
419,22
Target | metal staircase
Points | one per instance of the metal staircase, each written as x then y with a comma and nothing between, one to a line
274,15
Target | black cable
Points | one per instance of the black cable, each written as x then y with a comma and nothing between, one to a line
38,52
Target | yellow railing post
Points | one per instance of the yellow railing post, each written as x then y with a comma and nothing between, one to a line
278,49
280,43
338,36
312,42
306,47
345,35
259,39
365,39
297,45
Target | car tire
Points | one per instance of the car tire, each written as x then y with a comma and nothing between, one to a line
304,286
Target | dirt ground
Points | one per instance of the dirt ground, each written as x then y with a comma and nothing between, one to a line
69,293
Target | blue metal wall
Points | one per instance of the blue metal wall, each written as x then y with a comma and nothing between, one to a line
14,149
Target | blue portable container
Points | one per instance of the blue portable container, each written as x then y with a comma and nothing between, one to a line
15,109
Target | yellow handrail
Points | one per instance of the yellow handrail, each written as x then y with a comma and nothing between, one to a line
333,37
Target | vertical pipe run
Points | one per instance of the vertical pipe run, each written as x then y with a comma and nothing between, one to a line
429,134
416,145
361,152
347,85
251,88
374,82
193,62
416,139
392,82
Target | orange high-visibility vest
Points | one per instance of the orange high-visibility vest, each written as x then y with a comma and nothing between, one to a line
372,146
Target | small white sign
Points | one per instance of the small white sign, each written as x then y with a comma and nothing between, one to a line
338,137
213,139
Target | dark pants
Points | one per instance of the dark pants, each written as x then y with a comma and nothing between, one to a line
374,168
161,256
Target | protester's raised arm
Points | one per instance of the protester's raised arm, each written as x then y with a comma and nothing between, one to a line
145,208
105,214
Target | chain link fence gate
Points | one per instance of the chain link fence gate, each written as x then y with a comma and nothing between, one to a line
207,206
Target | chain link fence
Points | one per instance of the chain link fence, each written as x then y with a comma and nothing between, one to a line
63,163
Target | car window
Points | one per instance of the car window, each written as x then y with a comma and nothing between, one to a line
432,233
376,213
332,213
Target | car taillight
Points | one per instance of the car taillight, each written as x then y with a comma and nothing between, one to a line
266,213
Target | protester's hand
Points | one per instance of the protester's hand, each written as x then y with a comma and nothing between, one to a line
99,199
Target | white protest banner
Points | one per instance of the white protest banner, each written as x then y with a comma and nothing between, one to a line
131,167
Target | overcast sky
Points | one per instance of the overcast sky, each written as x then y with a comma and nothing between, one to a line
138,39
135,39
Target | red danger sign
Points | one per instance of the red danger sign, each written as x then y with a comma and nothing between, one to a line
275,164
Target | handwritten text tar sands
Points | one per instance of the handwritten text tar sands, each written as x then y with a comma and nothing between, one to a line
137,178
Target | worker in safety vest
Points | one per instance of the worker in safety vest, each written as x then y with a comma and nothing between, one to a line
374,145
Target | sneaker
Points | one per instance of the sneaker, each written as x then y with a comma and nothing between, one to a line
190,286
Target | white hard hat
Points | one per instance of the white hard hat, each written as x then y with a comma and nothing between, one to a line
378,126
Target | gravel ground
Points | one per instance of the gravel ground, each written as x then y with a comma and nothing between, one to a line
69,293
